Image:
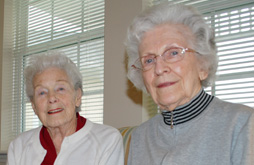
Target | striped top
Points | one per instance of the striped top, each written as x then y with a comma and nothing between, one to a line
188,111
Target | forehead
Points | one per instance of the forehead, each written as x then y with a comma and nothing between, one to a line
50,74
165,35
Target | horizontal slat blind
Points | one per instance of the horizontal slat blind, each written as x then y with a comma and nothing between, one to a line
77,29
234,28
233,22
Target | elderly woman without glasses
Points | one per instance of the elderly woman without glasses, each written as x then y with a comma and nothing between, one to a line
54,87
172,56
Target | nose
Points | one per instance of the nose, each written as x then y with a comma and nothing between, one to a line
161,66
52,98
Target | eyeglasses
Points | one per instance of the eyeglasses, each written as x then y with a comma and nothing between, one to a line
171,55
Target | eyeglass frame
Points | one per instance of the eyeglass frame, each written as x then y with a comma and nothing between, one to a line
161,55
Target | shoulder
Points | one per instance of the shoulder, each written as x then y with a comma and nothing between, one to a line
103,131
26,137
105,137
231,108
230,114
23,143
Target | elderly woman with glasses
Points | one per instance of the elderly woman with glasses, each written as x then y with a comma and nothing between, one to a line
54,87
172,56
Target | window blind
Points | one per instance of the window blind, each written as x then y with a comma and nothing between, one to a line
234,28
233,22
73,27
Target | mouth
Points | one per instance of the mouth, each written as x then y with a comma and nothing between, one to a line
166,84
54,111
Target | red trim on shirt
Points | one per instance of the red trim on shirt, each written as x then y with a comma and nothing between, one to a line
48,145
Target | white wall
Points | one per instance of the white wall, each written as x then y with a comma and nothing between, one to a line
1,48
5,70
122,102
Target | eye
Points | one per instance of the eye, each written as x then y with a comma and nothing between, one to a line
42,93
60,89
147,60
172,54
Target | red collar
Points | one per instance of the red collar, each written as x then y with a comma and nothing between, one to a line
48,145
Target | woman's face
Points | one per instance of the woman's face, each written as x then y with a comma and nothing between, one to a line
55,98
171,84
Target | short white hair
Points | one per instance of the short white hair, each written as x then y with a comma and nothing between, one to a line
41,62
168,13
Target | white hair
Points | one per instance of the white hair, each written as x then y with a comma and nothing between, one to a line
168,13
41,62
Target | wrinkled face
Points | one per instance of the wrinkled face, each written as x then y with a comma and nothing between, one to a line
171,84
55,98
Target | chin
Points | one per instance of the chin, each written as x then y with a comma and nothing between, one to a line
167,103
54,124
167,99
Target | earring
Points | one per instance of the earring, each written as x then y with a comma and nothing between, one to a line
158,109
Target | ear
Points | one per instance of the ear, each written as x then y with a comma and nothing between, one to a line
202,74
78,97
33,106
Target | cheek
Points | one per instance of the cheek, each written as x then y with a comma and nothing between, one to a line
148,80
182,73
38,107
178,70
190,77
69,101
186,76
186,72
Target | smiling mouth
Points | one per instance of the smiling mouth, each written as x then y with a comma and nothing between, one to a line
166,84
54,111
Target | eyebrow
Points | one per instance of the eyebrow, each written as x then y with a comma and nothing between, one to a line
169,46
58,81
174,45
63,81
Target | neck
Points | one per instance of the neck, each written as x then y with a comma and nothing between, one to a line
183,101
58,134
187,111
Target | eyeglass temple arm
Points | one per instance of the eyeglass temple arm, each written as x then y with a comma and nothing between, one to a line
133,66
190,50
